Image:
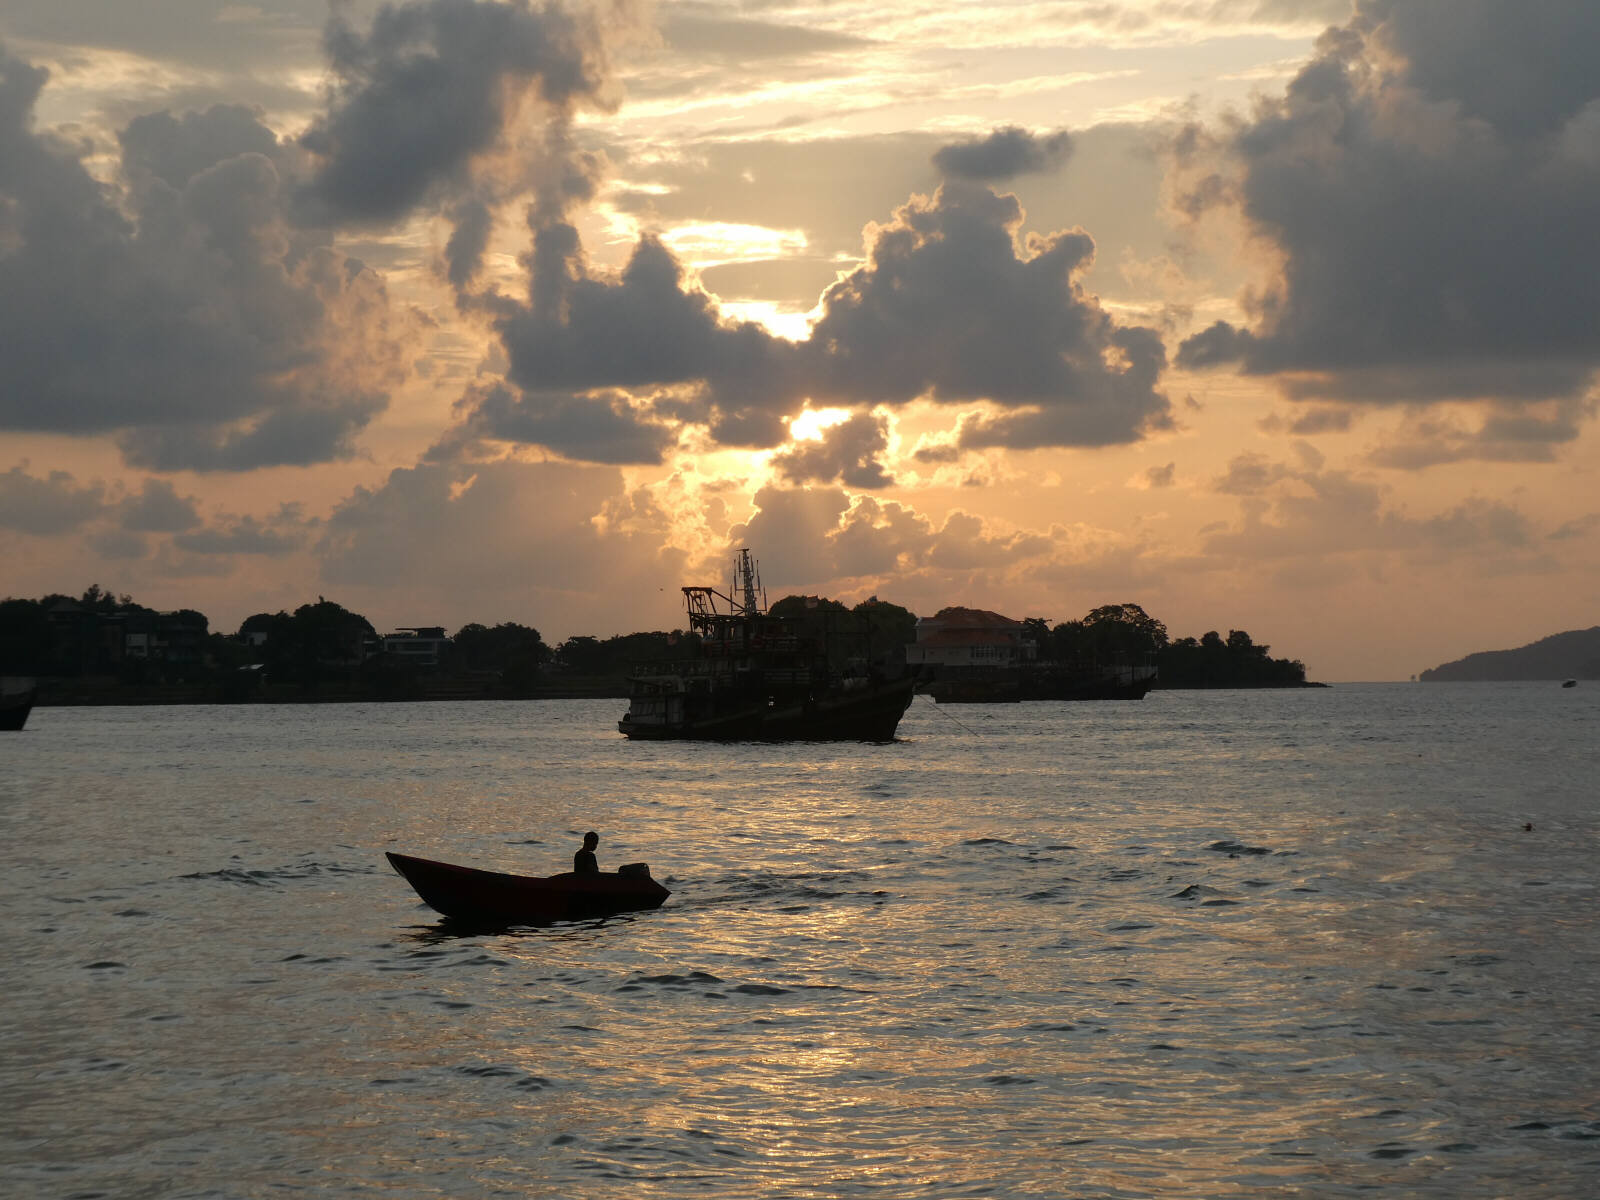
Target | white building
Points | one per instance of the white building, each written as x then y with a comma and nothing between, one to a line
970,637
422,646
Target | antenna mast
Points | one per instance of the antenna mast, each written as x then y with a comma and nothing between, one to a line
744,572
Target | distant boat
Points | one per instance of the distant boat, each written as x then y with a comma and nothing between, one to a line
491,898
757,677
1569,683
17,694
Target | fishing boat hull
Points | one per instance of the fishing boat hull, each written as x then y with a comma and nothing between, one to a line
870,713
477,897
14,709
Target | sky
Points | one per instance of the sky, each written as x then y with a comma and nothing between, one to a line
1273,315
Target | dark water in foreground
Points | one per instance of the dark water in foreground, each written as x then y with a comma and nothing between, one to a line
1207,945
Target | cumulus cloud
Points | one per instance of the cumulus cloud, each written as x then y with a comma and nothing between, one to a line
1289,512
850,450
643,328
605,427
157,508
430,87
276,537
946,307
518,539
177,307
816,534
1004,154
1160,477
1527,432
1428,183
53,503
462,107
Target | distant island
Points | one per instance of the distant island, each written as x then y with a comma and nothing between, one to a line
1571,655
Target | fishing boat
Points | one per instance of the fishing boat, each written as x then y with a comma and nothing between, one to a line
760,677
492,898
17,695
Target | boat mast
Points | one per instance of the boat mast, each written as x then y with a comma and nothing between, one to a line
744,575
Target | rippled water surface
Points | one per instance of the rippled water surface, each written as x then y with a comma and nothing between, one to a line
1206,945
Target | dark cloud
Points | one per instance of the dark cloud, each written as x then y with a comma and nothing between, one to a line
946,307
1431,221
1248,474
602,428
244,535
1312,421
1578,527
157,508
432,86
174,149
1429,179
118,545
1161,477
1507,433
1526,69
1006,153
643,329
850,451
176,306
53,503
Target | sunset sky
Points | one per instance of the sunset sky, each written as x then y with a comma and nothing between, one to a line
1275,315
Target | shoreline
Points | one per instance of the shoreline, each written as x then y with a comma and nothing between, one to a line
54,694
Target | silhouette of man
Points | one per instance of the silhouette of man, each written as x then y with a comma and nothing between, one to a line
583,862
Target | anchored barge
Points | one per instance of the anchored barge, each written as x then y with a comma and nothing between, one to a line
759,677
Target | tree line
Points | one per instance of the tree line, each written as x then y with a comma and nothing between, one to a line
324,643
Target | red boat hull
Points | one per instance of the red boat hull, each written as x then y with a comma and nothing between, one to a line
492,898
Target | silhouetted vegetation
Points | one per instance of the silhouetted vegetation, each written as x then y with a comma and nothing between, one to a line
100,647
1211,662
874,630
1126,633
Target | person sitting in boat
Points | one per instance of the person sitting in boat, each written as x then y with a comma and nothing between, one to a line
583,862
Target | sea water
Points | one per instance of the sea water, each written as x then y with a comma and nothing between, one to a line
1204,945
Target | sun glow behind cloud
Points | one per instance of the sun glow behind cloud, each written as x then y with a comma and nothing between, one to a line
708,243
814,422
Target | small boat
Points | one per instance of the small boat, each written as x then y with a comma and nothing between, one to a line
1569,683
17,695
493,898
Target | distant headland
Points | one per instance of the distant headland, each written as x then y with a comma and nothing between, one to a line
101,648
1571,655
